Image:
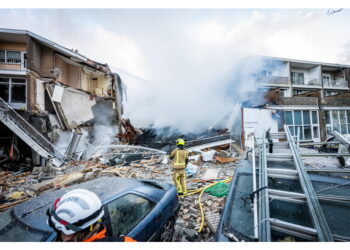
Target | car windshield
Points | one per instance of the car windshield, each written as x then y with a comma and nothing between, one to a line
11,230
240,216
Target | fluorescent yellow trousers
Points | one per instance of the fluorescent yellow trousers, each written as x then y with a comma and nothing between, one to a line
179,178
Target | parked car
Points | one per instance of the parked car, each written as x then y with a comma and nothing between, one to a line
144,210
237,223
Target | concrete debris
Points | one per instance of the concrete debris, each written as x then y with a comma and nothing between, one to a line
211,174
21,186
225,159
213,220
208,156
191,170
129,133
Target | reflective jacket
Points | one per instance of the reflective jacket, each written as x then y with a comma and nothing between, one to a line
180,157
101,237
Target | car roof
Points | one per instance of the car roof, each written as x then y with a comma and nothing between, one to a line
104,187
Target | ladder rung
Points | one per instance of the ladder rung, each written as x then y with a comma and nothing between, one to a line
307,233
281,176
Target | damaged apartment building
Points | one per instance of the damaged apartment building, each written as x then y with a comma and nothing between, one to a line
47,89
312,98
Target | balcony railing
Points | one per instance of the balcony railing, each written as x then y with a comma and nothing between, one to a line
296,100
306,82
13,64
337,83
335,101
272,80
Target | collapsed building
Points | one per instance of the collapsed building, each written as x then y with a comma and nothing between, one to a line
312,98
47,90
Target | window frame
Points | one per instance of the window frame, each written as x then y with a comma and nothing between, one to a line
312,125
330,126
296,76
22,58
10,84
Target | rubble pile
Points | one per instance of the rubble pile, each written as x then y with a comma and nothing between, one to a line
17,187
189,219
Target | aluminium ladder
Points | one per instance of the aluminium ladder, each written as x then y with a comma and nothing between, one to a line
291,154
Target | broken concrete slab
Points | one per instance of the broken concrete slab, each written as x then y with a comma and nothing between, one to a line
36,170
40,187
211,174
210,145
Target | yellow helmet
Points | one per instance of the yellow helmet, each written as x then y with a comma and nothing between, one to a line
180,142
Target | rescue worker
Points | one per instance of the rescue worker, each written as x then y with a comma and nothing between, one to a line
76,216
180,161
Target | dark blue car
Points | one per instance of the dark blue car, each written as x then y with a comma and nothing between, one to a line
144,210
237,222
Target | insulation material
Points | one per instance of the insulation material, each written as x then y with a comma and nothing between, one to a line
76,107
40,95
208,156
57,94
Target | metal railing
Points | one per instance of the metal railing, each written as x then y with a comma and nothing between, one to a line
9,113
264,227
298,100
337,83
306,82
13,64
277,80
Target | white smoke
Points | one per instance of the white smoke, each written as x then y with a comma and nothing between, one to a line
189,64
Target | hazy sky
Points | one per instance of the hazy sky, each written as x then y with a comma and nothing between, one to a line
185,56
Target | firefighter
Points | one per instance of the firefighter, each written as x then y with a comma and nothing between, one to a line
180,160
77,217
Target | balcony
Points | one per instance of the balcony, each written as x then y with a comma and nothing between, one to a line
272,80
338,83
335,101
299,101
306,82
13,64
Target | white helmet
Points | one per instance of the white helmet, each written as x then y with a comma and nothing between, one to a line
75,211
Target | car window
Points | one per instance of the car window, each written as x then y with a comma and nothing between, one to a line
239,209
126,211
11,230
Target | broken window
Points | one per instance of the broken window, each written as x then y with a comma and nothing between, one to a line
303,123
13,90
4,88
18,93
